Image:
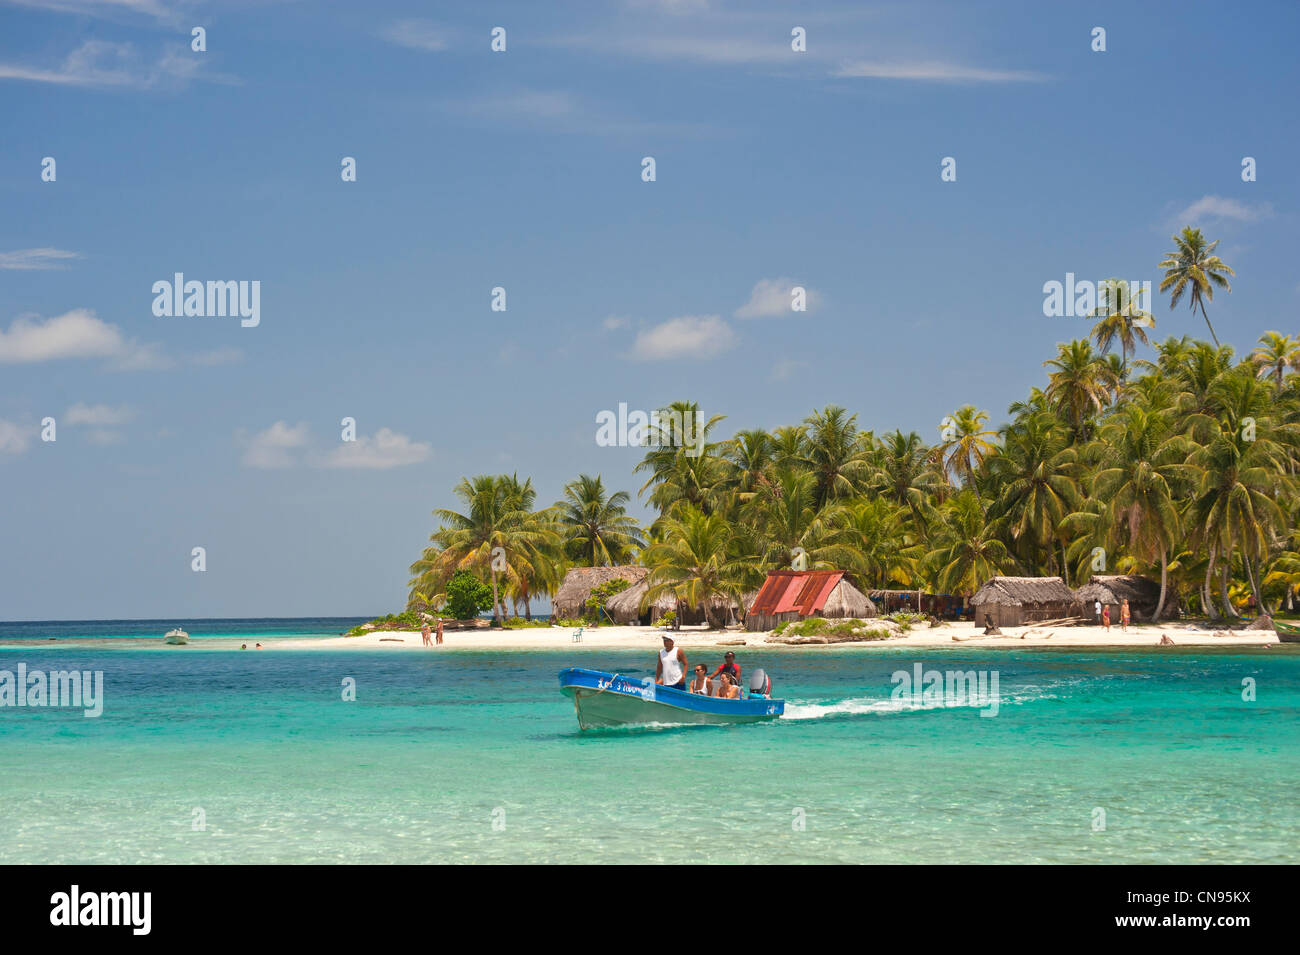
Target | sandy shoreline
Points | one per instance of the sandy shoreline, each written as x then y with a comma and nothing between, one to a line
646,638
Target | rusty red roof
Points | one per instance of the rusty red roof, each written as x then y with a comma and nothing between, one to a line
795,591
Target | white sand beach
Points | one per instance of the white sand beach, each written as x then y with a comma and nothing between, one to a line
648,638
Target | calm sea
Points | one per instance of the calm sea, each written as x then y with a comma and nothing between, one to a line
232,756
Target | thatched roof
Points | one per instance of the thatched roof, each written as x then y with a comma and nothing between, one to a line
625,607
1020,591
847,601
579,582
1139,591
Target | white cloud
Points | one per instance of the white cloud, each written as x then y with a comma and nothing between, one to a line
137,357
1219,208
274,447
706,47
99,63
772,298
105,437
670,6
97,415
75,334
785,369
13,439
614,322
415,34
218,356
933,71
690,336
385,449
35,259
154,8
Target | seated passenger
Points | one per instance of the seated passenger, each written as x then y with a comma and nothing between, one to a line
727,688
702,684
728,666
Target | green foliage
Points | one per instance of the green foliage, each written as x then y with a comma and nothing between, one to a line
600,595
821,627
407,620
467,595
668,618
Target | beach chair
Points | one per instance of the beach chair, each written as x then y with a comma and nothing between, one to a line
577,635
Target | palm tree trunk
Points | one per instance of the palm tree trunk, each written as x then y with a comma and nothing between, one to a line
496,599
1254,588
1207,604
1206,316
1164,586
1229,610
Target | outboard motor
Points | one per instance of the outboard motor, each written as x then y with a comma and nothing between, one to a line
759,684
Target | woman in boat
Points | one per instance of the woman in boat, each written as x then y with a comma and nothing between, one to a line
702,684
727,688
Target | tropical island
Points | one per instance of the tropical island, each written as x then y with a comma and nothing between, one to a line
1166,481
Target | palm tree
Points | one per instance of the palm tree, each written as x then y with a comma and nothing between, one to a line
1035,474
694,561
596,525
497,524
968,552
1142,466
834,455
1243,470
1276,353
967,446
870,541
786,516
1193,265
682,473
1080,387
1122,320
903,473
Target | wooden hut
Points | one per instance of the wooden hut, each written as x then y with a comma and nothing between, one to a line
570,600
1110,590
798,594
630,607
1014,601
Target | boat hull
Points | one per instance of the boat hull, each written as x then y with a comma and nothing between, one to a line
602,700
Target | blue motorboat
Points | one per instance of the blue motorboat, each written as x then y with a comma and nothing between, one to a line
608,699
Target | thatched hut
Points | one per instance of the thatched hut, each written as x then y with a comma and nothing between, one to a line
1013,601
1110,590
798,594
630,608
571,599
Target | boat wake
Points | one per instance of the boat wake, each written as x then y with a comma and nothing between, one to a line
874,706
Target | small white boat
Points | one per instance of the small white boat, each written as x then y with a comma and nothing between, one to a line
178,637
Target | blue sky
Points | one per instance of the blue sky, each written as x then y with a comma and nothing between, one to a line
522,169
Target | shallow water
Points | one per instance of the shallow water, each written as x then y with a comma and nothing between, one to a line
470,756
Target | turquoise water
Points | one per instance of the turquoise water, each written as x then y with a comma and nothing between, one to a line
476,757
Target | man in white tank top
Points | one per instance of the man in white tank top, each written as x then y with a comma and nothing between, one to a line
671,670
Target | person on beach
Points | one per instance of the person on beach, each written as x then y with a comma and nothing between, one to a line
671,668
426,635
1105,617
1097,609
438,636
728,665
1124,615
702,685
728,689
243,646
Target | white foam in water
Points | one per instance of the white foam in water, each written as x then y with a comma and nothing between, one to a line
864,705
